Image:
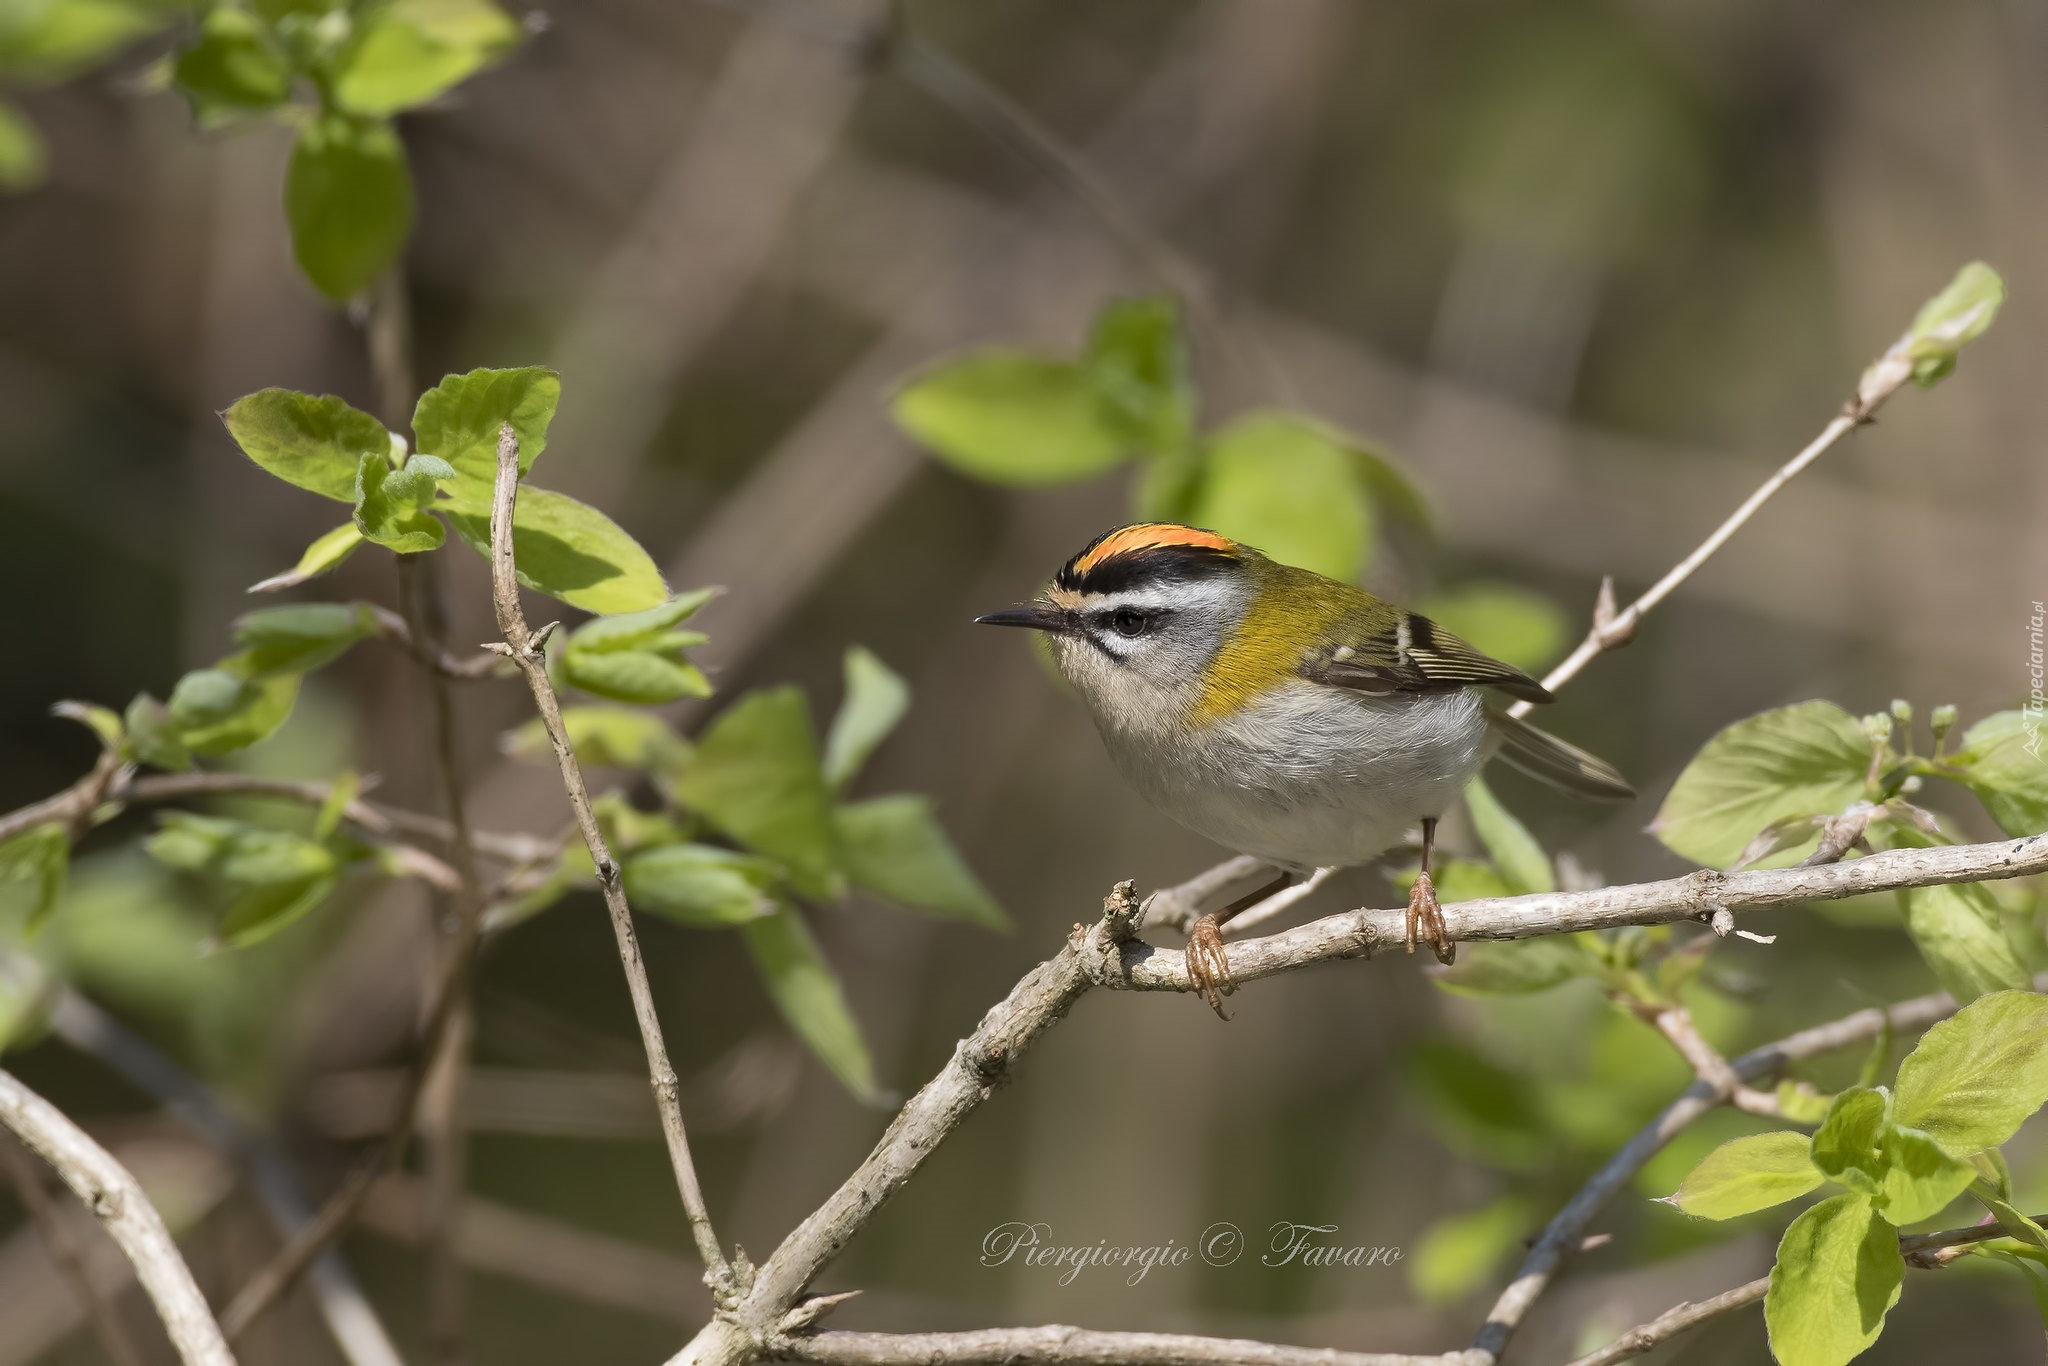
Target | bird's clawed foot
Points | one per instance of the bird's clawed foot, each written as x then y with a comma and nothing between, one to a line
1425,912
1208,969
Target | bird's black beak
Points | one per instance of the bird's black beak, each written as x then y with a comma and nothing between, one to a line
1037,617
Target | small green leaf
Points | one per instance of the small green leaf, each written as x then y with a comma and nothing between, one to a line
24,159
876,698
638,630
1846,1147
323,555
313,443
348,198
807,993
411,51
565,549
1745,1175
28,993
39,857
340,793
1512,624
236,851
1010,417
1919,1179
608,737
636,676
1960,313
1137,363
1459,1253
391,505
1794,761
1958,930
1522,863
233,68
2010,1219
103,722
1837,1276
221,709
1286,486
302,637
700,886
458,420
2004,761
258,912
1801,1104
1975,1077
894,846
756,776
1513,967
153,736
55,39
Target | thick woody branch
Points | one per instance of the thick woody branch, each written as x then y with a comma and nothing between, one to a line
1058,1343
113,1196
523,647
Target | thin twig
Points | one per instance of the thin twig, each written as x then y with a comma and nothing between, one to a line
1676,1024
1563,1234
350,1319
432,654
42,1210
113,1196
523,647
1067,1346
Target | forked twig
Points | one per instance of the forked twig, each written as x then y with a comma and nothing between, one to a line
523,647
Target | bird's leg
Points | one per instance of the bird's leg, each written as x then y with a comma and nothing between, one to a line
1423,908
1208,969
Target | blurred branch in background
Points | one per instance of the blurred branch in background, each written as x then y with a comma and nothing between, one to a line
64,1251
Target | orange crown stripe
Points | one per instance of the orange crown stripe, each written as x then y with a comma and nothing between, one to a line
1150,536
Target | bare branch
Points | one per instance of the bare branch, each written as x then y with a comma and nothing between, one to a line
1058,1343
1676,1024
113,1196
42,1211
432,654
523,647
1925,1250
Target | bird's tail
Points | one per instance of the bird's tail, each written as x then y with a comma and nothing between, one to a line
1548,759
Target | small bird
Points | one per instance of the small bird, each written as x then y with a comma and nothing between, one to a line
1284,714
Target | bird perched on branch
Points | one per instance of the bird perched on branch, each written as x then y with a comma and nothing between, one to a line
1283,714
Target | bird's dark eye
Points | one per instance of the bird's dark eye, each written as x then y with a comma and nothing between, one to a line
1129,622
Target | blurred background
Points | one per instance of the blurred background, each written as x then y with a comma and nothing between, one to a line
1590,271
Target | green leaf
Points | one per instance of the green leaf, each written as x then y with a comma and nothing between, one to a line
1837,1276
220,710
28,993
756,776
1513,967
2004,762
1958,930
340,793
348,198
313,443
153,735
1745,1175
807,993
1010,417
1919,1178
50,40
699,886
1794,761
1960,313
233,68
2010,1219
302,637
1137,363
565,549
391,505
261,911
1846,1147
237,852
324,554
410,51
1286,486
458,420
894,846
1459,1253
876,698
639,630
1512,624
1522,863
636,676
608,737
24,159
1801,1104
104,723
1975,1077
39,857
